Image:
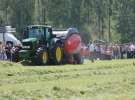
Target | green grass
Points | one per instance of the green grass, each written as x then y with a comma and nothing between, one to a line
102,80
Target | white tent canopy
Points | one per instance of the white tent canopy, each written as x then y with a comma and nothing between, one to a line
9,37
12,38
6,35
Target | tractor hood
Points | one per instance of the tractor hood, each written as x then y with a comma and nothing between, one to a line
30,40
29,43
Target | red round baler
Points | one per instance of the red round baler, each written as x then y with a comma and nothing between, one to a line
73,48
72,44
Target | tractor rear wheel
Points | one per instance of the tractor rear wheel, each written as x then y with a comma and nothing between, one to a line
58,54
41,57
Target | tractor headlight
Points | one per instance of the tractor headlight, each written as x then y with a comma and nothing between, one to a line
26,47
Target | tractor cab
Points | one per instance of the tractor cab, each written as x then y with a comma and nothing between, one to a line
34,36
39,32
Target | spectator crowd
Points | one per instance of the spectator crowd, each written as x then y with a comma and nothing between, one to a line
104,51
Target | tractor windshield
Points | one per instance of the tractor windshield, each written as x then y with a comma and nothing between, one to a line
36,32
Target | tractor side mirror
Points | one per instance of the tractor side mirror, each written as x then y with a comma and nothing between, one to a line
50,30
51,33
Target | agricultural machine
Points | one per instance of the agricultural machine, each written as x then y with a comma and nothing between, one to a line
42,45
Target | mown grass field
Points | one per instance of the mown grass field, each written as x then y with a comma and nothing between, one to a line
103,80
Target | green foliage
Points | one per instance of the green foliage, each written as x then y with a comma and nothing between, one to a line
96,19
126,21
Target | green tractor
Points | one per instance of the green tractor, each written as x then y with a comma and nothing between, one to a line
41,46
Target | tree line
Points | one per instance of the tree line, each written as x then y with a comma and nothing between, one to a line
109,20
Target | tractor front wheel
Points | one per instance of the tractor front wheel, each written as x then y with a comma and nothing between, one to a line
41,57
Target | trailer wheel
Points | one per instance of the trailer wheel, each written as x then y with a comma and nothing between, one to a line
41,57
58,54
79,59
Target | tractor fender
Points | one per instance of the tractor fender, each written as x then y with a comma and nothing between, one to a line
40,48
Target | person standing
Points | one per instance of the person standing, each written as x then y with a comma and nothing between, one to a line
132,50
8,48
92,52
1,50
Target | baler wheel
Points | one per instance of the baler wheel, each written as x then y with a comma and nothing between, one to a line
79,59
